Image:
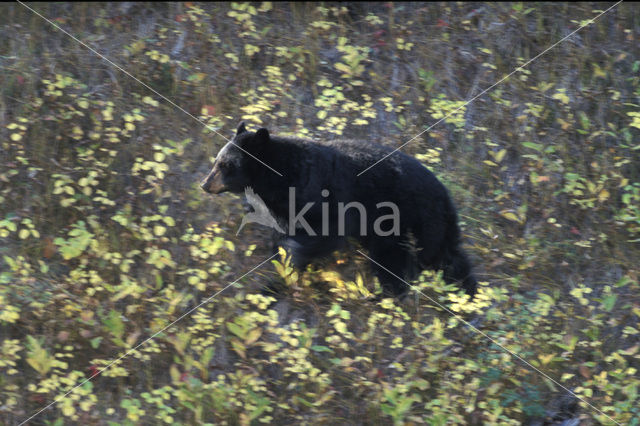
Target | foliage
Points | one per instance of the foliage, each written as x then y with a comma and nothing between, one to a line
107,240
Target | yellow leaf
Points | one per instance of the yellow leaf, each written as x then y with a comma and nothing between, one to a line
239,348
68,410
16,137
561,96
265,6
174,373
252,336
563,124
603,196
598,72
342,67
510,215
546,359
149,100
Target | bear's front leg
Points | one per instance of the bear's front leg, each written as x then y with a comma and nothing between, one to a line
305,248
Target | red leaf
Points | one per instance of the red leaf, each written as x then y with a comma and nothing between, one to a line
93,371
48,249
211,110
584,371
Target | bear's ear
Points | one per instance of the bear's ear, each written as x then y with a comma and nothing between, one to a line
241,129
262,136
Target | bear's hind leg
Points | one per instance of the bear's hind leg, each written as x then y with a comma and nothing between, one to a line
392,266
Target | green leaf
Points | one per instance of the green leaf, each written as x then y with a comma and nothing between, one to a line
114,324
609,301
536,146
38,357
236,329
95,342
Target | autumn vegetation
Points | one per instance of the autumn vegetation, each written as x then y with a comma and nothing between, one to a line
106,238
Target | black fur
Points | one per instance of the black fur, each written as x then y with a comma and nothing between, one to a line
429,236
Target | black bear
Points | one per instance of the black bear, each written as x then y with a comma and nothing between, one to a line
397,210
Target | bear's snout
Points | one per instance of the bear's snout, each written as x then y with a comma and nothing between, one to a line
213,183
204,186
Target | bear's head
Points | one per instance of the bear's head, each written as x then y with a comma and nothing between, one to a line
231,170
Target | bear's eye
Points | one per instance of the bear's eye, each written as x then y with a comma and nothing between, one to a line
227,167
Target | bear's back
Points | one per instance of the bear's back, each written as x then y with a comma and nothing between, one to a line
356,152
364,171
